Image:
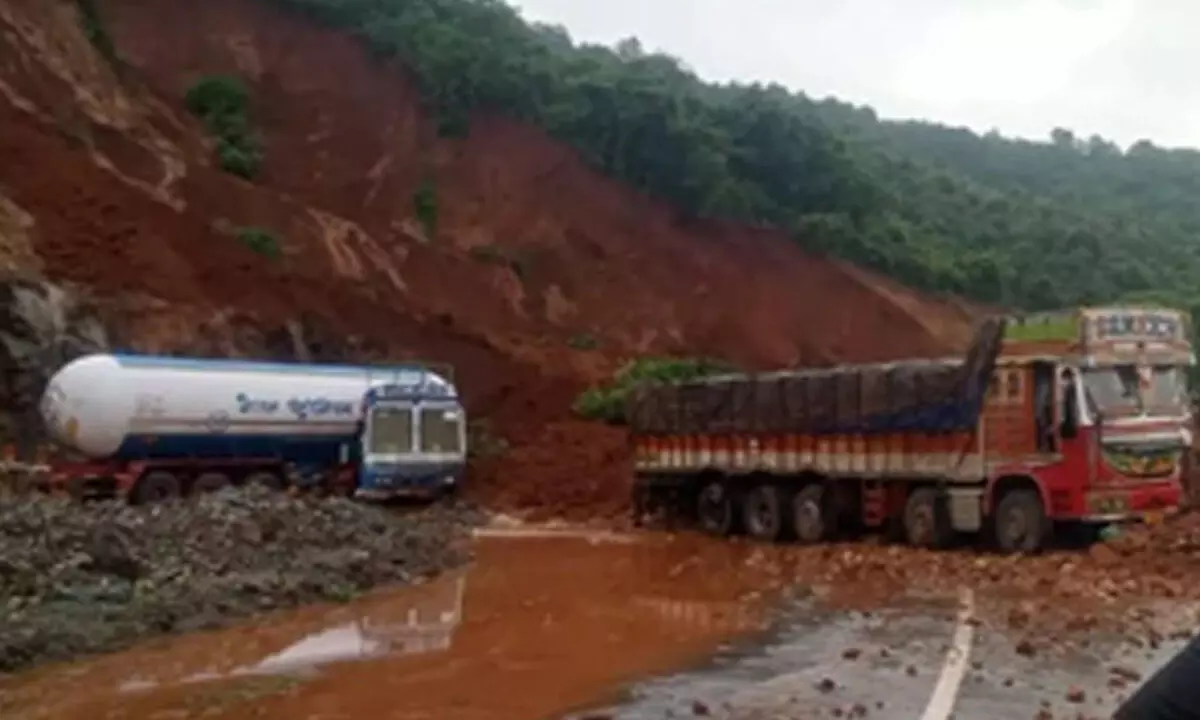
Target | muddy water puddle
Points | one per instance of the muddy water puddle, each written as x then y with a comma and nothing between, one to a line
535,627
554,626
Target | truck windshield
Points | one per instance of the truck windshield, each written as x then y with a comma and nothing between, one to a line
441,430
1121,390
391,431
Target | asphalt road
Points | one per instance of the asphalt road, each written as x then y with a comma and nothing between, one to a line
919,659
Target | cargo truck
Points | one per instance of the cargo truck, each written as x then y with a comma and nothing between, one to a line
1079,416
151,428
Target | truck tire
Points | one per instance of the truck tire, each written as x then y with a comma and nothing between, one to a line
764,513
156,486
1019,523
209,482
716,509
926,524
813,520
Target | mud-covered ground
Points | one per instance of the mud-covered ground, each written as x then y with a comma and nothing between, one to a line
559,623
78,579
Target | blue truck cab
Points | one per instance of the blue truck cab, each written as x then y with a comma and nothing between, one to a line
412,439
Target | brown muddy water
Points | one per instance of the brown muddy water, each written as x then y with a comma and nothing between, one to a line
536,627
554,626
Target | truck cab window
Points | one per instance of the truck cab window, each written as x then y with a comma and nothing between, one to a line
1070,406
1166,389
1116,390
1043,391
391,431
441,430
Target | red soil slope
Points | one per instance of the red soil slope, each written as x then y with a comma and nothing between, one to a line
109,183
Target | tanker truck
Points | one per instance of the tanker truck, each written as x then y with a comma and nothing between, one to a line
150,428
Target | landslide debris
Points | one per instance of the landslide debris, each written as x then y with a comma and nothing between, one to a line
1132,587
79,578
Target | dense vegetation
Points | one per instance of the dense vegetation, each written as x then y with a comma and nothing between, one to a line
608,402
223,103
1022,224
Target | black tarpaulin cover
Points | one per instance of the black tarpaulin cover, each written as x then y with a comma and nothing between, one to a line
914,396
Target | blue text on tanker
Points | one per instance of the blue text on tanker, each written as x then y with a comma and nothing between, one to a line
301,407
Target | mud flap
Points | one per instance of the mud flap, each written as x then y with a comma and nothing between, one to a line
1172,693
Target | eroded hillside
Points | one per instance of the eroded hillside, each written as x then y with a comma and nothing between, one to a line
533,275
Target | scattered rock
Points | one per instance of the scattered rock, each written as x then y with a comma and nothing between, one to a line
1025,648
1076,695
851,654
1126,673
87,578
699,708
827,685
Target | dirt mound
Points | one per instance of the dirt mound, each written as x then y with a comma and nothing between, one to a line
1131,587
78,579
1175,543
539,278
571,469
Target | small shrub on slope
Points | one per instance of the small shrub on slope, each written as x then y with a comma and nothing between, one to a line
607,402
223,103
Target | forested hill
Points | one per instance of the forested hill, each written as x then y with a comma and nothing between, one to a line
1022,224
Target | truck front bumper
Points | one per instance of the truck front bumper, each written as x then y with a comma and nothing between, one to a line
1149,503
411,481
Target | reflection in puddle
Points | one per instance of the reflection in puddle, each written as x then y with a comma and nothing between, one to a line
704,616
553,623
425,625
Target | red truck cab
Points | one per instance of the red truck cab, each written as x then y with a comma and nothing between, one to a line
1115,380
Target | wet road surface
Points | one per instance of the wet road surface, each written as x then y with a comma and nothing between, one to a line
558,627
891,664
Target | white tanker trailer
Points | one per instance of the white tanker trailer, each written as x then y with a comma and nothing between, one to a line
152,427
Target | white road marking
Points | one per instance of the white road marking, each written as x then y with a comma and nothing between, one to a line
941,703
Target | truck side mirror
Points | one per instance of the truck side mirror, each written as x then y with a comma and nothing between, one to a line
1070,418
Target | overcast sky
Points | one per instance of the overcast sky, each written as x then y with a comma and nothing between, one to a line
1126,69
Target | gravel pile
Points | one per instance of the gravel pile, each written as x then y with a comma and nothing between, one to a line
78,579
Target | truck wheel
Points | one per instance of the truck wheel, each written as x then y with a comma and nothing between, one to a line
925,521
1020,524
715,509
156,486
764,514
209,482
266,479
812,518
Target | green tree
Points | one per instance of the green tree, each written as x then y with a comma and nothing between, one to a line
1022,223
